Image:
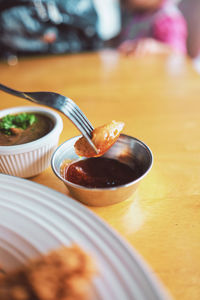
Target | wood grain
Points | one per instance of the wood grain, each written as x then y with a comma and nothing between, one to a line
158,98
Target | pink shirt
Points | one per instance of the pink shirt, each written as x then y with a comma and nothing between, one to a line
166,25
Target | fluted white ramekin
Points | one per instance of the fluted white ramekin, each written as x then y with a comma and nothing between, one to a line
30,159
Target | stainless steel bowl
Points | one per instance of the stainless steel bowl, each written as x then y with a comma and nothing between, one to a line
127,149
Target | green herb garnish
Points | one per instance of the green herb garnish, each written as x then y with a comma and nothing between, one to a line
21,121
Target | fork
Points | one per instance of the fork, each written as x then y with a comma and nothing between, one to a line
63,104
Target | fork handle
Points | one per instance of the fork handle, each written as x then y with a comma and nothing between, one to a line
13,92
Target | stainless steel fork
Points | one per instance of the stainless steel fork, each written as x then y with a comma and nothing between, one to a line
62,104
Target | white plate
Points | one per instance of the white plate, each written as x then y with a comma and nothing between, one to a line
35,219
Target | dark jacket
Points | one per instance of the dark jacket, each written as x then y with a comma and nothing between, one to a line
47,26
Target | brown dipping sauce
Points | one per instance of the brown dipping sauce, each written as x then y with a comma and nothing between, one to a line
100,172
38,129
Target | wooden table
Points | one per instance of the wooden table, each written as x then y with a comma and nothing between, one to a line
159,101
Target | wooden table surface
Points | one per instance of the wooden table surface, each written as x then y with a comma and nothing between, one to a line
159,101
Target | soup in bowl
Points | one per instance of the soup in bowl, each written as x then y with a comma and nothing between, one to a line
24,127
28,137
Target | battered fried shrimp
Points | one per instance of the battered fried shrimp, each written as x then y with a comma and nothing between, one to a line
64,274
103,138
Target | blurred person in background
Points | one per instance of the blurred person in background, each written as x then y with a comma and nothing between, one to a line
191,12
152,27
30,27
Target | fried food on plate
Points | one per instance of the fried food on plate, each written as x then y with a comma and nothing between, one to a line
63,274
103,138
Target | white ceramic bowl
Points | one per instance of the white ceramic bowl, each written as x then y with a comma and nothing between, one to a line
30,159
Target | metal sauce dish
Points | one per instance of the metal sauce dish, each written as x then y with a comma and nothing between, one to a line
127,149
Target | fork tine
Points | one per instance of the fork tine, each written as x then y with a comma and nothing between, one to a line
70,112
83,130
82,123
80,117
80,114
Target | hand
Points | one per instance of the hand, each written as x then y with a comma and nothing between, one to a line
143,47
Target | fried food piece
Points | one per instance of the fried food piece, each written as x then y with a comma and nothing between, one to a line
64,274
2,272
103,138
